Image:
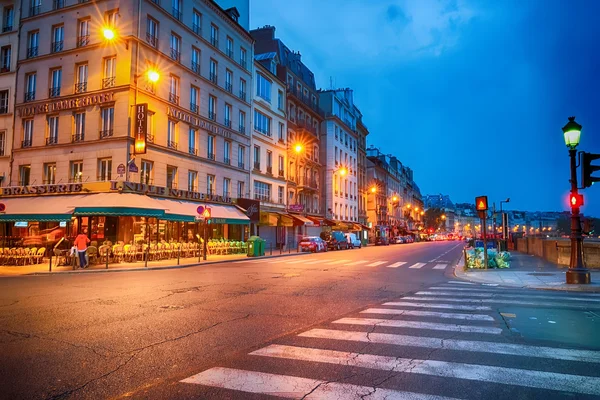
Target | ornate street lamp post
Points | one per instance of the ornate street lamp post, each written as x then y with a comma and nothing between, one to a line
577,273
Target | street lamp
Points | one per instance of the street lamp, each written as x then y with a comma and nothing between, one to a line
153,75
373,189
108,33
577,273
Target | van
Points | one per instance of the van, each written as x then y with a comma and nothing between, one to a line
336,240
353,240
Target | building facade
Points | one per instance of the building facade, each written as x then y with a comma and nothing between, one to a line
9,46
269,150
363,187
78,85
339,153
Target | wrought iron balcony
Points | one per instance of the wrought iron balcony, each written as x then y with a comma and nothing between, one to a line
227,160
54,92
106,133
51,140
151,39
175,54
257,166
173,98
196,29
29,96
242,129
229,53
214,41
7,27
213,77
83,40
270,170
210,156
193,150
241,165
195,67
242,95
77,138
108,82
57,46
57,4
212,116
32,52
194,108
281,173
81,87
176,13
26,143
229,87
227,123
34,10
243,64
4,109
171,144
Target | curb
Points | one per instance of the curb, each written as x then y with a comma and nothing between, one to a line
141,269
459,273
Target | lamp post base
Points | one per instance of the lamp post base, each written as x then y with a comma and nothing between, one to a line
578,276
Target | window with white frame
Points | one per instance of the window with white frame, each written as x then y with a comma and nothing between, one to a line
210,148
104,169
210,184
242,117
78,126
5,58
30,85
195,60
192,181
257,157
152,31
76,171
241,157
81,78
192,141
52,129
49,173
107,122
24,174
171,177
2,143
262,123
27,132
281,132
281,165
55,82
281,195
147,172
175,47
263,87
194,99
110,72
197,22
227,119
262,191
241,189
172,134
212,106
226,187
227,152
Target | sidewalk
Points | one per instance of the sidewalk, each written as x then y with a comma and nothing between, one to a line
526,271
43,269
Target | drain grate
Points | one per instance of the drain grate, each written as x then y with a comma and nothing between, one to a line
540,274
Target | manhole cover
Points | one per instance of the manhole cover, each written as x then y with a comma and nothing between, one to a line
540,274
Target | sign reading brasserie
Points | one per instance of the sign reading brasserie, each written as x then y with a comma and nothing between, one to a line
197,121
66,104
42,189
166,192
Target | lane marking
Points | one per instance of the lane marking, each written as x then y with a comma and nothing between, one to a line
293,387
588,356
394,323
481,373
437,305
315,262
506,301
440,266
462,282
376,263
396,264
511,295
418,313
358,262
337,262
417,266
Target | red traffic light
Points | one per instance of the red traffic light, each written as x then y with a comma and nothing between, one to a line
575,200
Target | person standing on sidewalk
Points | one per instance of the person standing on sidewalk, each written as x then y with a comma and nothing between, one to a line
81,242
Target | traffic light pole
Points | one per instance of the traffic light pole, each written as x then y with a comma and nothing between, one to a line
577,273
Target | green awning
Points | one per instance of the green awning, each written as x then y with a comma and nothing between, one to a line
120,211
230,221
35,217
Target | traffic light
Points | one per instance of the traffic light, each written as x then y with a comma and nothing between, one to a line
587,169
575,200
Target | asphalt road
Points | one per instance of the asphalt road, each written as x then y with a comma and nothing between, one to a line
378,321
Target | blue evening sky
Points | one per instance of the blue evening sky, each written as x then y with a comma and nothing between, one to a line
471,94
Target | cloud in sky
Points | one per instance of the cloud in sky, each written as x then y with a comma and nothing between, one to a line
470,94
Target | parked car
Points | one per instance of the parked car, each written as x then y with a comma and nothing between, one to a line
312,244
409,239
336,240
353,240
398,240
382,241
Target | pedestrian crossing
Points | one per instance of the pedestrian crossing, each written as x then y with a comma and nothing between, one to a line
426,345
303,260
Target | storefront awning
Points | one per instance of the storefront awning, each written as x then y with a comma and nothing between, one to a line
319,221
301,220
118,204
43,209
187,211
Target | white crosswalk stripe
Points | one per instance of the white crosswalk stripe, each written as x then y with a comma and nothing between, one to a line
417,266
293,387
419,325
461,282
358,262
396,264
315,262
376,263
440,266
337,262
482,373
418,331
498,294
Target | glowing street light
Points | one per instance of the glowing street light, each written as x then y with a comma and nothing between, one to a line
298,148
153,76
108,33
373,189
343,171
408,206
444,217
395,199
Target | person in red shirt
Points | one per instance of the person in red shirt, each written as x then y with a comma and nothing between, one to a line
81,242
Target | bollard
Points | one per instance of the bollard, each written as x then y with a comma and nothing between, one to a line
281,248
289,249
107,258
271,248
465,255
50,264
178,255
146,257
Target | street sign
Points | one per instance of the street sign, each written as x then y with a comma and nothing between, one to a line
481,203
199,217
206,213
2,207
133,168
121,169
200,210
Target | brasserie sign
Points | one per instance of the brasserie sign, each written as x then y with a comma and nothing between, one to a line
142,188
42,189
65,104
198,122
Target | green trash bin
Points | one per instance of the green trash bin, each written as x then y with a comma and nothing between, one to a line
263,244
254,246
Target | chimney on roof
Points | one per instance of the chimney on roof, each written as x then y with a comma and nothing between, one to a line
267,32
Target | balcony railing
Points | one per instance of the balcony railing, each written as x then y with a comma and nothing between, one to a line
26,143
229,53
171,144
83,40
175,54
270,170
108,82
77,138
241,165
213,77
196,29
195,67
212,116
51,140
210,156
106,133
281,173
34,10
257,166
242,95
176,13
57,46
193,150
242,129
151,39
308,182
227,123
304,99
29,96
227,160
194,108
243,64
81,87
173,98
229,87
7,27
214,41
3,110
32,52
54,92
56,4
